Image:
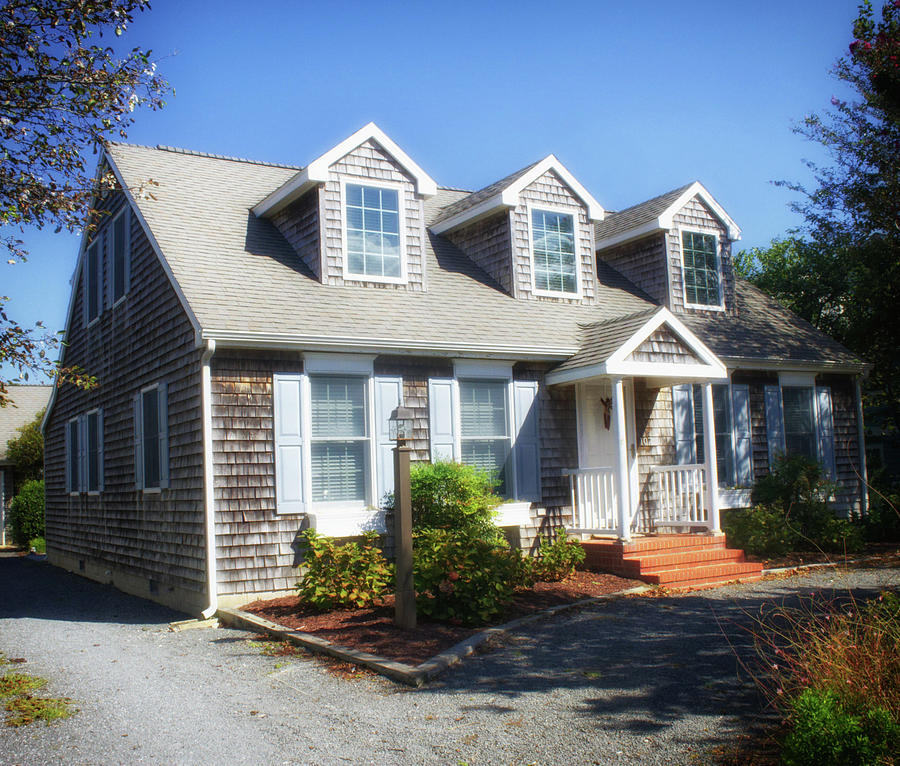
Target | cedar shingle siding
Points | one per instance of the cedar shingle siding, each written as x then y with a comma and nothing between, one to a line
143,540
643,262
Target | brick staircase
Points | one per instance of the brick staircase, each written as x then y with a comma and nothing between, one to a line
673,561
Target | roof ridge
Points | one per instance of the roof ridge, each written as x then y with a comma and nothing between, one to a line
208,155
679,189
619,318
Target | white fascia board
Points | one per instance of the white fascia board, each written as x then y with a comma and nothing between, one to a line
697,189
577,373
397,346
764,365
510,194
668,370
470,215
318,170
294,188
627,236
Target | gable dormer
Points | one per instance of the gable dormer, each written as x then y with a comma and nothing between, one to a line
531,232
355,214
677,248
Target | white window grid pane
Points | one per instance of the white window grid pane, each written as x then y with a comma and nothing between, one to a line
701,273
553,251
338,407
339,470
373,231
483,409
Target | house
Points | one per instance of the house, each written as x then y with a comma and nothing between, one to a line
27,403
252,327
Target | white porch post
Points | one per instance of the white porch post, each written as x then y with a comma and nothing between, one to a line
712,470
618,408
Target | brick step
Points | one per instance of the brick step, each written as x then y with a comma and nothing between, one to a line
656,544
682,559
713,582
724,572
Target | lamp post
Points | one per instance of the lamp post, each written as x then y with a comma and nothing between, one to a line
400,424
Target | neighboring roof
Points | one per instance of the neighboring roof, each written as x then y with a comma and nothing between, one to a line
656,215
245,284
505,194
28,401
764,330
317,171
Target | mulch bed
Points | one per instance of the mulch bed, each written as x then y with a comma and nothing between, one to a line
372,630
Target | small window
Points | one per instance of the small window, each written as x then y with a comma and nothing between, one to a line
553,252
93,282
701,269
373,232
340,440
151,438
799,421
484,427
120,260
84,453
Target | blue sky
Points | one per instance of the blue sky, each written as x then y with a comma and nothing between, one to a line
634,98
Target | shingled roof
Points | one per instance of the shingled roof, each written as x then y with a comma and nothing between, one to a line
474,198
27,402
637,215
238,274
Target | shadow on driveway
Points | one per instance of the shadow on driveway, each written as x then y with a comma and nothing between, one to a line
40,591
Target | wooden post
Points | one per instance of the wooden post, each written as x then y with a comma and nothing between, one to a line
618,406
712,465
404,592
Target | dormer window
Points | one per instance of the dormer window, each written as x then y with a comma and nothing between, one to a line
700,255
553,252
374,250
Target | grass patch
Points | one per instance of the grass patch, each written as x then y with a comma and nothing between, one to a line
27,709
16,684
37,544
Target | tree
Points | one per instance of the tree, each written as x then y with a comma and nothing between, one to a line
62,93
842,272
26,451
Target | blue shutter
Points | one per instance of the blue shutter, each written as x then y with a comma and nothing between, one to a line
825,434
442,419
100,450
82,453
70,483
289,489
683,409
743,446
163,410
138,442
85,303
774,423
388,395
527,449
127,227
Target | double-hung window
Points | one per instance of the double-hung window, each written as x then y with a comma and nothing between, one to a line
700,258
372,215
484,427
84,453
151,438
553,254
339,438
731,418
799,420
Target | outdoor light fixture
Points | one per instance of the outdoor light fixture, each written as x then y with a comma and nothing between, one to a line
400,424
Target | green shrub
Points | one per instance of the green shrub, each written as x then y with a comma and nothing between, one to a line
448,495
26,512
461,576
759,531
824,733
557,559
37,544
348,575
882,522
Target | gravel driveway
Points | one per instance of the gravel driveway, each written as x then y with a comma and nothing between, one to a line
641,680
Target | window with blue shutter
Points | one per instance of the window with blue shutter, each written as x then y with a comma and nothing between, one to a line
151,438
527,447
388,396
289,444
442,419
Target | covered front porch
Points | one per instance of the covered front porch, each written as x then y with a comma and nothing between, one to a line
629,480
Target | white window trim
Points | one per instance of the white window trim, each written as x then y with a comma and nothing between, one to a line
401,225
111,244
87,450
145,489
720,306
576,229
478,369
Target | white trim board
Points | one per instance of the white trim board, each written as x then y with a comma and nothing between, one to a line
317,172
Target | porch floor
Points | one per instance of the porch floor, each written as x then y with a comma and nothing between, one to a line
673,561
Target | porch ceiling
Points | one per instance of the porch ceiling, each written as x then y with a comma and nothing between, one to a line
652,344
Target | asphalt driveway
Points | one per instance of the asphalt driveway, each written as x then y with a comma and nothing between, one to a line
641,680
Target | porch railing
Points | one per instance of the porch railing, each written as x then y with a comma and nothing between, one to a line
681,495
594,499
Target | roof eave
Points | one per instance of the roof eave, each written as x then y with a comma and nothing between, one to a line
789,365
471,215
